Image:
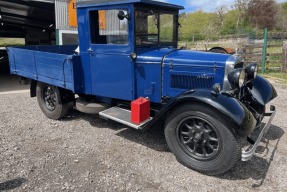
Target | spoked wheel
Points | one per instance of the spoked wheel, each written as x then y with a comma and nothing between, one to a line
198,138
49,100
202,139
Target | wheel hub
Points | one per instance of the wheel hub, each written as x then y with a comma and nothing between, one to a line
50,98
197,137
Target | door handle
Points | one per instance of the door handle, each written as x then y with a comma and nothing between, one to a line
90,50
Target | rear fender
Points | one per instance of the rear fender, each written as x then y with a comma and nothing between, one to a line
67,96
33,87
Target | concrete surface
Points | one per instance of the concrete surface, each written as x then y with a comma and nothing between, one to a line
10,84
85,153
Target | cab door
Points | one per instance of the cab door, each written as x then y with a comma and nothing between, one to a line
112,69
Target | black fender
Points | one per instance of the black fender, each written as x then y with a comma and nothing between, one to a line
33,87
231,108
262,91
67,96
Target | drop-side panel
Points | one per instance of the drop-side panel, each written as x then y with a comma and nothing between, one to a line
48,67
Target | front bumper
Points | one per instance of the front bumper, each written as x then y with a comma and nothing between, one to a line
250,150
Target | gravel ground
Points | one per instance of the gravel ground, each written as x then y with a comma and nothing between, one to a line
85,153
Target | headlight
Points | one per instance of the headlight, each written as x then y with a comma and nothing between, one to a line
251,71
236,78
231,63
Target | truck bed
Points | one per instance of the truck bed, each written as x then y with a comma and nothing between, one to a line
55,65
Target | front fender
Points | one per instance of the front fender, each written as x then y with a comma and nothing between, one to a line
231,108
262,90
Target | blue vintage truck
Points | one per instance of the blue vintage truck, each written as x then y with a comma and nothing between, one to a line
209,103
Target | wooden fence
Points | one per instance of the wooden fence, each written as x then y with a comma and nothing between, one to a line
260,35
284,57
275,58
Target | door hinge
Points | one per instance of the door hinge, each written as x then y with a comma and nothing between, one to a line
214,68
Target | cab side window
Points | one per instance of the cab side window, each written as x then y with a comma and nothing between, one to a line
107,28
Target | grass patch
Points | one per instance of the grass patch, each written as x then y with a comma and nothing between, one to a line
280,77
5,42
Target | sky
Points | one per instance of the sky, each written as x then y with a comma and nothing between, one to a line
204,5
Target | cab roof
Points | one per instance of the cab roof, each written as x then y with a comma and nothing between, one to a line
97,3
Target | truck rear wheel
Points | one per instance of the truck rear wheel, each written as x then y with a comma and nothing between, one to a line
49,100
200,139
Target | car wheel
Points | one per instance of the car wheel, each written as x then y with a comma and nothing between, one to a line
49,100
202,139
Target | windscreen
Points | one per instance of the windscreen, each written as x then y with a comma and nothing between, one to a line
154,27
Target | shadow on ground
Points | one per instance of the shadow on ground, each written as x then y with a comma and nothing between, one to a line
11,83
152,138
12,184
256,168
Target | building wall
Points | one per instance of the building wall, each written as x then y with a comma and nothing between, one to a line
39,37
63,29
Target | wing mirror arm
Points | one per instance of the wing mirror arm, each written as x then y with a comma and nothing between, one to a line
122,16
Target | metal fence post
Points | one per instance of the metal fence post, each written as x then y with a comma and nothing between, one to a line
264,51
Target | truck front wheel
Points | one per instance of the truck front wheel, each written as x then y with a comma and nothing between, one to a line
200,139
49,100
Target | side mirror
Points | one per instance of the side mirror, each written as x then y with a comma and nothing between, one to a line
122,15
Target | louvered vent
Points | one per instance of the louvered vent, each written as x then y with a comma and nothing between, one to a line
179,81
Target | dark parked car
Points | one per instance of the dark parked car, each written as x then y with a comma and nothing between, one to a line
4,64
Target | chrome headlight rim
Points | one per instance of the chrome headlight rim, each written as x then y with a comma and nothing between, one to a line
237,78
241,80
232,62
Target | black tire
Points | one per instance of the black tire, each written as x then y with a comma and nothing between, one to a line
200,139
49,100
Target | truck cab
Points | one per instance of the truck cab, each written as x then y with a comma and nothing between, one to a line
130,70
116,38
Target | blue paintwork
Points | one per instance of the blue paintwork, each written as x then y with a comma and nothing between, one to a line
108,71
88,4
109,66
50,64
150,66
149,72
197,65
164,74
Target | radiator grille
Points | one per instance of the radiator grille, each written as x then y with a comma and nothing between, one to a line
180,81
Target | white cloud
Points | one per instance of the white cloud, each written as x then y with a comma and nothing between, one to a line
211,5
208,5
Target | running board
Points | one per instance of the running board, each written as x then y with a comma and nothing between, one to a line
123,116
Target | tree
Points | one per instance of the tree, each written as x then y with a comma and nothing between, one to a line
262,13
230,25
281,17
222,10
284,6
198,25
241,6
